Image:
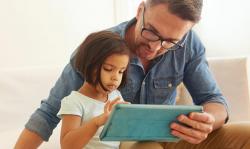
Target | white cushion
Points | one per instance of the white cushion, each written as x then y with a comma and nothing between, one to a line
233,78
21,90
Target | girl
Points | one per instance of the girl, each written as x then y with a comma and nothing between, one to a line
102,60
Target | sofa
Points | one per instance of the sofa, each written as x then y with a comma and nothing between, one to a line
233,77
21,90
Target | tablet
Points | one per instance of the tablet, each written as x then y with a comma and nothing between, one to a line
137,122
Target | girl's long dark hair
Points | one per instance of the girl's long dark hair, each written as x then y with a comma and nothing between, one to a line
93,52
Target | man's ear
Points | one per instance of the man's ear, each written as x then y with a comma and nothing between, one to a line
140,9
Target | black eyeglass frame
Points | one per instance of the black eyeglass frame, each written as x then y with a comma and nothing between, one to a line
158,38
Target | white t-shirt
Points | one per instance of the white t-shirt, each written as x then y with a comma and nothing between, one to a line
87,108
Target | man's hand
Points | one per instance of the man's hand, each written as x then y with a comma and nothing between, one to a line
198,126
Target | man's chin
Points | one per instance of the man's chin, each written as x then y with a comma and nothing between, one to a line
144,55
152,56
147,56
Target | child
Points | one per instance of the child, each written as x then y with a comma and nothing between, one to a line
102,60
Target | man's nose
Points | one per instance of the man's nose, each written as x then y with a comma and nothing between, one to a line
154,45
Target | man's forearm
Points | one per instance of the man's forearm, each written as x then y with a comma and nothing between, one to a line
28,139
218,111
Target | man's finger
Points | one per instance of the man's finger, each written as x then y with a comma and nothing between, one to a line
200,126
189,131
202,117
185,137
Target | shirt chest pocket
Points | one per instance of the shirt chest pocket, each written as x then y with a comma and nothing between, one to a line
164,89
164,83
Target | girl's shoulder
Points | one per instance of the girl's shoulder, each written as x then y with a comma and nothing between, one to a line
74,96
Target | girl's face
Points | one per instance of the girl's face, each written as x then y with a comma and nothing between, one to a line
112,71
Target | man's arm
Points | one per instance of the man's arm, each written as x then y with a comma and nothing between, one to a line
204,90
28,139
42,122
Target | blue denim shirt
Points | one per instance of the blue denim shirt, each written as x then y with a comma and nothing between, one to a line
157,86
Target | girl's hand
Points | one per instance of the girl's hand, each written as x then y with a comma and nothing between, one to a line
101,119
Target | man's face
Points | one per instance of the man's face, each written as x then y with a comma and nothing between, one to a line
163,24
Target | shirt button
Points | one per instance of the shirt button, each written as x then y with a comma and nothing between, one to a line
170,85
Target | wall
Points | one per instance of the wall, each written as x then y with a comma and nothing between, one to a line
35,33
224,27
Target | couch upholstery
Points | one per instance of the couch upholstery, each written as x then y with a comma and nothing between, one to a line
233,78
21,90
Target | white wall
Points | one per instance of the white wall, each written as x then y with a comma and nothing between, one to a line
224,28
125,9
34,33
46,32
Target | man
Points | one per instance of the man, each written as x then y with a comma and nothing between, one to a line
166,53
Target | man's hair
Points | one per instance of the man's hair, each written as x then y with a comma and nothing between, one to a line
185,9
93,52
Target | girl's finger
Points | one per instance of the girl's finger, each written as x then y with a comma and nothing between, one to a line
106,107
115,101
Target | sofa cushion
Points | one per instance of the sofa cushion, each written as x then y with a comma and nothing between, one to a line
233,78
21,90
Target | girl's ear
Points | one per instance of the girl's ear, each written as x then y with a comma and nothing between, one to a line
140,9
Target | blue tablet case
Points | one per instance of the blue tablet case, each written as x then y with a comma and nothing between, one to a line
136,122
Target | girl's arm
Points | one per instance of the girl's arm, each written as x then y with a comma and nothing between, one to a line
75,135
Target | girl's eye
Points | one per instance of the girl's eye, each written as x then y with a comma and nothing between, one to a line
107,69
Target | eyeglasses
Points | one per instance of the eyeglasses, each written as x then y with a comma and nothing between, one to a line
150,35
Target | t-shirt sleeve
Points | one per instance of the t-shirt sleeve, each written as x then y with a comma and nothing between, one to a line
70,106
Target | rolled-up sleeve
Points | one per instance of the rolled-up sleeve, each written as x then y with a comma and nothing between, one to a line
44,119
198,78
